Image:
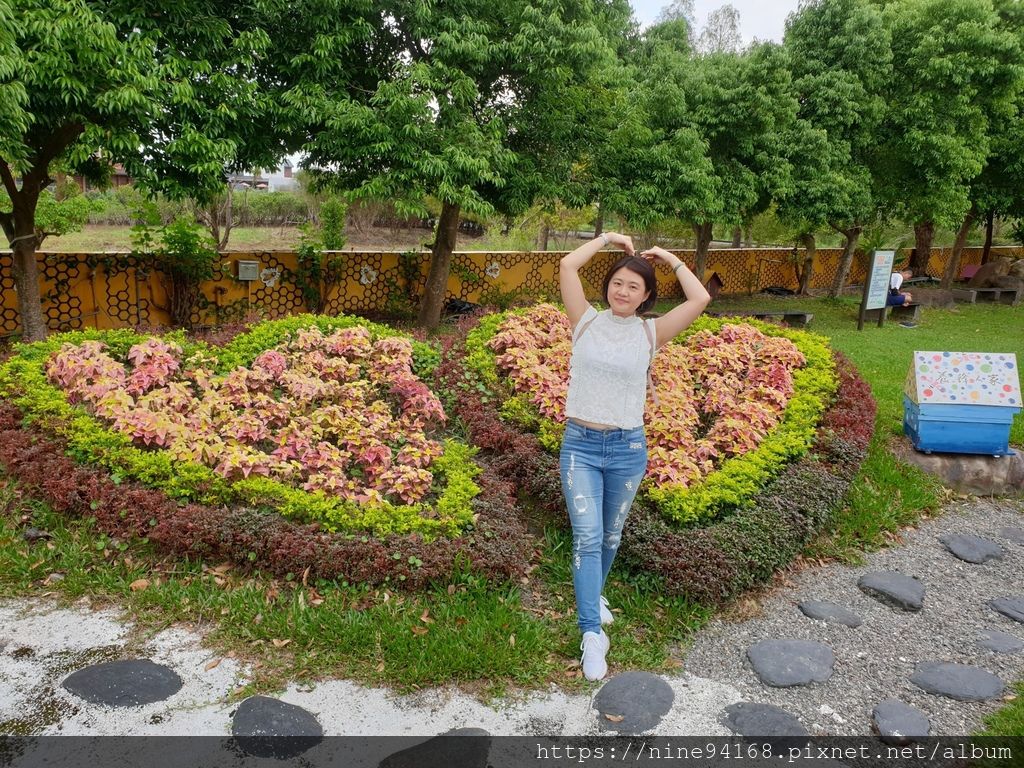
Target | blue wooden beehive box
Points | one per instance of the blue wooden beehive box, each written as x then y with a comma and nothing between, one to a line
961,402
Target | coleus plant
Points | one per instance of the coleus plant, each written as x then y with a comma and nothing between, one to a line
338,413
323,419
719,393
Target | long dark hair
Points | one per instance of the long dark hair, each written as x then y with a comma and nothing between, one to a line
642,268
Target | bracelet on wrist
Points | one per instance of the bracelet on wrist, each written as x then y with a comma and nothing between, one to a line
675,269
604,237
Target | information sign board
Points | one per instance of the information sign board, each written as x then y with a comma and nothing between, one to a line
878,280
876,286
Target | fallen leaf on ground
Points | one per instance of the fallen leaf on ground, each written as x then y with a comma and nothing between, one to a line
420,630
512,640
425,616
212,664
615,718
138,585
280,643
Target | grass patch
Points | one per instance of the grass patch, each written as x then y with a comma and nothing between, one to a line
1008,721
487,637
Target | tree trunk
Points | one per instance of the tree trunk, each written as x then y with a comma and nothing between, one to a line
545,236
599,221
737,237
953,265
703,233
748,236
924,231
440,266
810,250
990,222
852,235
26,283
20,229
229,219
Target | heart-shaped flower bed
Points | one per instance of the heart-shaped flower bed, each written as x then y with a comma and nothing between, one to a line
735,400
324,419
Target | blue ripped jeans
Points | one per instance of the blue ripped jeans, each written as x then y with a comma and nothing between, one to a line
601,471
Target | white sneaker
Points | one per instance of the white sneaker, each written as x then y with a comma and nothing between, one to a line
606,612
594,647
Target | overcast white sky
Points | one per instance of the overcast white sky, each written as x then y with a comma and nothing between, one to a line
763,19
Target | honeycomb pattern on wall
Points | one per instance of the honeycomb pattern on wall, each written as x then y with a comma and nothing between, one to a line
365,270
543,275
123,286
281,299
120,286
61,307
10,319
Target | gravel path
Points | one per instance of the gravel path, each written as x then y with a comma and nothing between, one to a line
875,660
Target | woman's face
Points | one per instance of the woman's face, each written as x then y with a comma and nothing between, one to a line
626,292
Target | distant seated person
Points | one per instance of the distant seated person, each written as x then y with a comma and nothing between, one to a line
896,297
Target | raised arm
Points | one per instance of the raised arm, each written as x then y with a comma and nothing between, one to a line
679,318
573,297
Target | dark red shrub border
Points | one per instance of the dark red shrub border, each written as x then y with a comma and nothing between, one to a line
497,547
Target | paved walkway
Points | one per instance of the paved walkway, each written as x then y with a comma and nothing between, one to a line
927,637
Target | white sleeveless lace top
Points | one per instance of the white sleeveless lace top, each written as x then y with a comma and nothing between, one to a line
608,370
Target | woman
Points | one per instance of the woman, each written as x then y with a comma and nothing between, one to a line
604,451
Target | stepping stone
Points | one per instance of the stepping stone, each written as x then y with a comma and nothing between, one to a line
956,681
35,534
824,610
899,723
785,663
1010,607
469,747
758,720
127,683
1000,642
639,698
1013,534
893,589
972,549
267,727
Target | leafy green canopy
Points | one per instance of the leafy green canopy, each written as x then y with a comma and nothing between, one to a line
479,104
955,71
841,63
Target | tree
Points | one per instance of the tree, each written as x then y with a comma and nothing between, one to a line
721,33
178,92
841,63
678,10
955,69
999,189
741,107
483,106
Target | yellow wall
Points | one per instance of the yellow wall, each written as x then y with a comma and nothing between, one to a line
105,290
